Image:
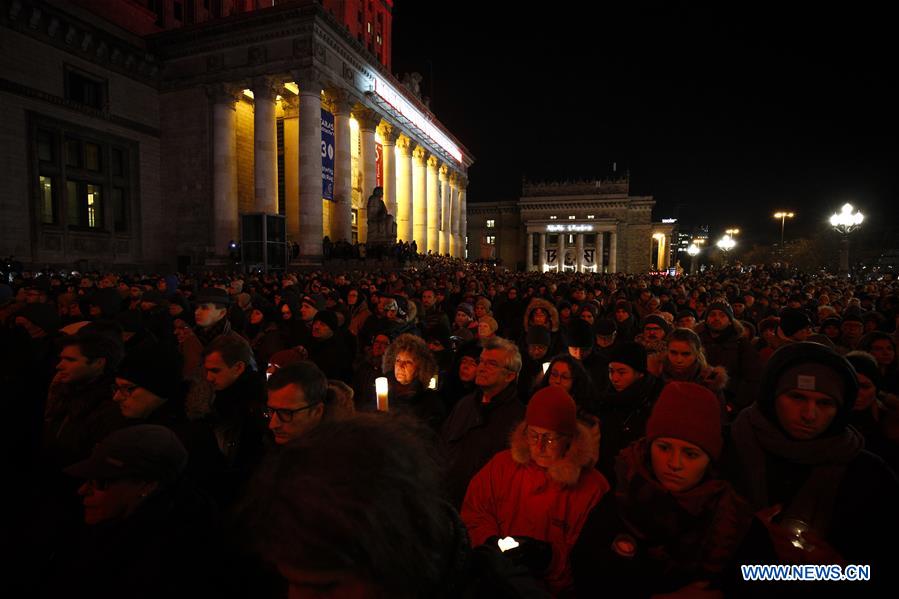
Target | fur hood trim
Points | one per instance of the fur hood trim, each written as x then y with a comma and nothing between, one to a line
548,307
582,455
714,377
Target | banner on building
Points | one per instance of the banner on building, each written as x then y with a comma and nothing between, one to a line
550,257
379,165
589,257
327,155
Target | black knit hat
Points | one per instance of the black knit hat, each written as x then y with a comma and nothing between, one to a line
580,334
631,354
604,327
789,361
864,363
656,320
152,367
328,317
724,307
213,295
539,335
792,321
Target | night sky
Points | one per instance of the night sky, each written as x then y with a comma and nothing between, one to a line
724,115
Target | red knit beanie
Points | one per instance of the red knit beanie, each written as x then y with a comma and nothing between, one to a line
688,412
553,409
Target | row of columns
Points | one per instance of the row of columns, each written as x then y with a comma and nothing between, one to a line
426,197
579,248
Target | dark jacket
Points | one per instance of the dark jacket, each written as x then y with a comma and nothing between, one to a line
474,433
650,541
623,417
739,358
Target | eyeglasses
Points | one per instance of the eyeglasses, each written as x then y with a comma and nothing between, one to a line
126,390
285,414
550,439
493,364
560,375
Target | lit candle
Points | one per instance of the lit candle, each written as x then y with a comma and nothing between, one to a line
381,392
506,544
545,367
432,384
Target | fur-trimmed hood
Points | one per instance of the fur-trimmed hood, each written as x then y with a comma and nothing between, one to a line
713,378
582,455
548,307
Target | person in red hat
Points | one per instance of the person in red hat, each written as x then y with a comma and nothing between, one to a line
671,525
541,489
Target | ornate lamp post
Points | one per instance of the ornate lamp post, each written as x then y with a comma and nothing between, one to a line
783,216
845,222
727,243
693,250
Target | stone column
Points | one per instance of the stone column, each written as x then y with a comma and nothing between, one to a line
310,156
265,145
225,225
613,251
463,214
419,199
404,189
560,251
541,248
368,122
445,232
290,104
454,246
433,207
389,134
342,207
529,252
579,248
600,238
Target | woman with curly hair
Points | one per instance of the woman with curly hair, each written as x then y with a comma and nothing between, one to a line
409,366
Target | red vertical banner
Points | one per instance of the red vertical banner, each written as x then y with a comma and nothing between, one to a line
379,165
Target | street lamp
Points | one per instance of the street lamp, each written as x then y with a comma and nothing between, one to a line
726,243
693,250
732,232
783,216
845,222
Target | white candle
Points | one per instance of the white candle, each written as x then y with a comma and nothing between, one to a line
432,384
381,392
545,367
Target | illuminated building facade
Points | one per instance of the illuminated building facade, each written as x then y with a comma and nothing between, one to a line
138,131
592,226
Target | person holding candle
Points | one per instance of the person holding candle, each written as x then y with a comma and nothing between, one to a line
672,525
798,460
541,488
409,366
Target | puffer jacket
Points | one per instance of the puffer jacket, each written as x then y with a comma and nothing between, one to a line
513,496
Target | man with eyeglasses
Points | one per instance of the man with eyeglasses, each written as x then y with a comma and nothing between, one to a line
540,490
479,424
296,401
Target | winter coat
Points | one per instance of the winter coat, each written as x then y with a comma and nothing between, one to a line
713,378
513,496
474,432
648,540
741,360
622,419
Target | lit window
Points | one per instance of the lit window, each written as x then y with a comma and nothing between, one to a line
379,38
570,217
491,240
48,203
491,223
591,216
354,216
369,27
93,205
554,217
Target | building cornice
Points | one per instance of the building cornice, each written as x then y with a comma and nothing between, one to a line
68,32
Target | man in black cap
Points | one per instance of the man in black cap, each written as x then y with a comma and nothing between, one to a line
654,330
823,498
210,314
685,319
725,345
538,339
580,347
327,348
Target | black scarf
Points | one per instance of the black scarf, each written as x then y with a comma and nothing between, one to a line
828,457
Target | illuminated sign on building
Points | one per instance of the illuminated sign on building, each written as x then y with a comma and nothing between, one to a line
415,117
556,228
669,221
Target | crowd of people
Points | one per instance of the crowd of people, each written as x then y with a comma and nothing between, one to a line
545,434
